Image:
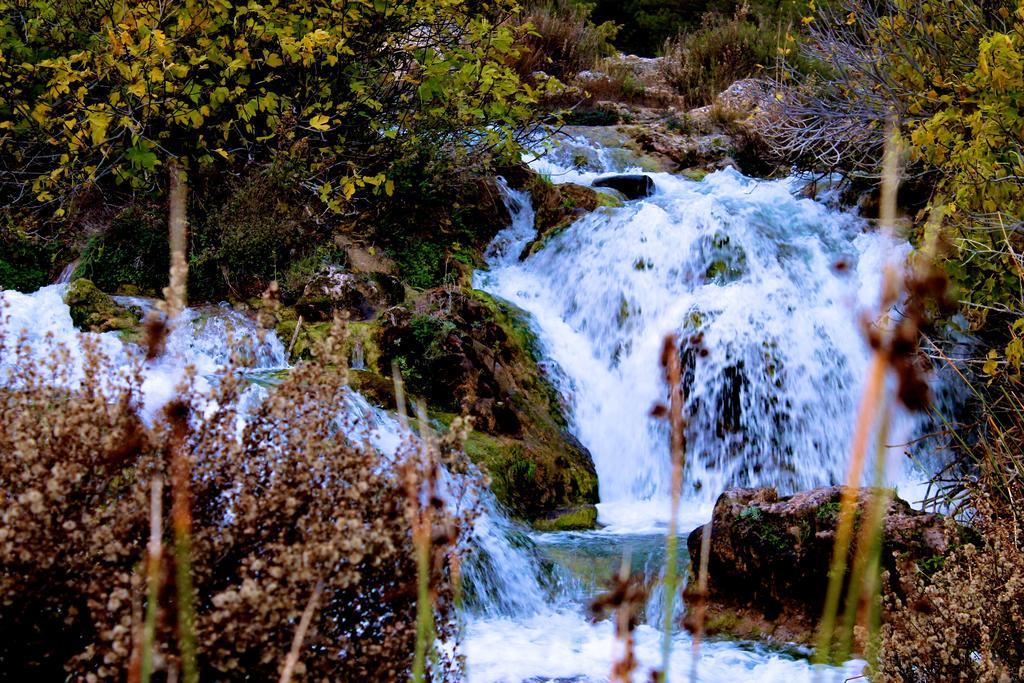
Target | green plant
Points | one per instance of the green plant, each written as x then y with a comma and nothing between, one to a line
703,63
562,40
131,251
100,95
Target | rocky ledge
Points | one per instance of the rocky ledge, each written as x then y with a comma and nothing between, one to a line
770,557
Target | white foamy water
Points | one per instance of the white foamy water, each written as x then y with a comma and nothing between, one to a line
764,290
201,338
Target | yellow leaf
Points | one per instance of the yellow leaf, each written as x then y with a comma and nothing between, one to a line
320,122
274,60
389,187
99,121
138,88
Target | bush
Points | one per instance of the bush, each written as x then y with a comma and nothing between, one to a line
647,24
701,64
563,41
131,251
285,507
103,95
25,260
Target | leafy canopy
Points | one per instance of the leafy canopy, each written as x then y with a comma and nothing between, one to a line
94,93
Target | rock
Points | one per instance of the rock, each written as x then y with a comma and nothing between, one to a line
556,207
577,519
770,558
464,352
359,295
94,311
631,186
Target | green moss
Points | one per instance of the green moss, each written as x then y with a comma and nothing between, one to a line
132,251
696,174
829,512
421,263
580,519
723,622
609,200
751,514
94,311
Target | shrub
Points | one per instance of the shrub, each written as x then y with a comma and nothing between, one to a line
563,41
964,622
131,251
647,24
288,506
701,64
100,94
25,259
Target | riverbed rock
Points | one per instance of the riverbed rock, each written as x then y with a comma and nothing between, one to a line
93,311
770,558
632,186
359,296
465,352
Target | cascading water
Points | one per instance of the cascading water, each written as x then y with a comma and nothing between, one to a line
764,290
743,272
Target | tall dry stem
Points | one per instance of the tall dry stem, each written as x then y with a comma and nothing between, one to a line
872,408
677,445
153,552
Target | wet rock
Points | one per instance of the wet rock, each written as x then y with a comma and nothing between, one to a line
464,352
360,296
94,311
576,519
631,186
770,557
556,207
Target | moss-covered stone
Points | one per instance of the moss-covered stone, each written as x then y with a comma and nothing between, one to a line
466,352
579,519
770,557
93,311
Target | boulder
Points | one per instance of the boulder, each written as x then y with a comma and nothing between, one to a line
464,352
770,558
360,296
631,186
93,311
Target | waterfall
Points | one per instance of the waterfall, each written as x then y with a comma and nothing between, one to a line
764,290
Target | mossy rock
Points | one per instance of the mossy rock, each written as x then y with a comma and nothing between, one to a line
463,351
556,207
582,518
93,311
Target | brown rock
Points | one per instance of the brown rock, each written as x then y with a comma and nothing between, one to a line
360,296
770,557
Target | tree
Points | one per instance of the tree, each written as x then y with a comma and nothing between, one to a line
96,94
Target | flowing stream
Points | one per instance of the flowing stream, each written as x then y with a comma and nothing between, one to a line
763,289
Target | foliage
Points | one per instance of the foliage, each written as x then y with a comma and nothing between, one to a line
270,523
101,94
647,24
25,258
562,40
703,63
131,251
949,74
964,618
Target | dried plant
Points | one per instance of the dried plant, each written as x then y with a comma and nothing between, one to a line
286,505
625,599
